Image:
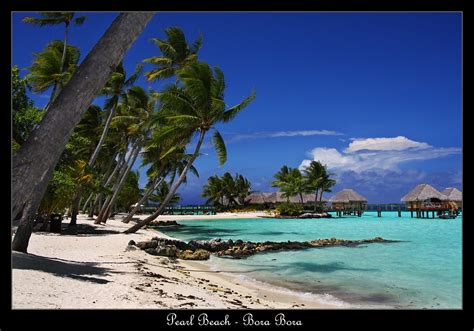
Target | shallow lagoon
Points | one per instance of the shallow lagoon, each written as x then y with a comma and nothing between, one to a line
423,271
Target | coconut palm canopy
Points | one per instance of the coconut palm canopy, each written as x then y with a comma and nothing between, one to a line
347,195
423,192
453,194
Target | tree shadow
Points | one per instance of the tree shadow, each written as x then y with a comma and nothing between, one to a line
60,267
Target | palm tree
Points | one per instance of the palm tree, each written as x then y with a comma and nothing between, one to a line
175,52
326,186
165,159
137,111
115,88
291,182
314,175
243,188
57,18
193,109
33,164
214,190
51,69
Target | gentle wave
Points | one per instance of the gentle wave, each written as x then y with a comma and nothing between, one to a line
325,298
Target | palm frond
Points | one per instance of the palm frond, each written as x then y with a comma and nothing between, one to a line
219,145
230,113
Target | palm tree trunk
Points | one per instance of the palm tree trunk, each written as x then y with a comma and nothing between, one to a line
316,199
63,57
33,164
88,200
102,138
172,191
301,198
107,173
109,180
92,159
119,187
150,190
25,227
75,205
122,173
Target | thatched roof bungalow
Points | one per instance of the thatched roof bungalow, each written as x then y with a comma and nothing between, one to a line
453,195
348,199
422,196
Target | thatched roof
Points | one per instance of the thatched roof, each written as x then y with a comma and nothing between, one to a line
453,194
259,198
277,197
423,192
347,195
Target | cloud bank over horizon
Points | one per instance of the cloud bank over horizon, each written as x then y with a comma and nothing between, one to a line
377,154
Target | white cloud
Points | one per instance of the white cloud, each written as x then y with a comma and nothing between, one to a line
303,133
276,134
377,154
384,144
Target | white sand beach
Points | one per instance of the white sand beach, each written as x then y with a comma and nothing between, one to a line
95,271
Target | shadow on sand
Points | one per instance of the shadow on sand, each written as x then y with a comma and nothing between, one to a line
60,267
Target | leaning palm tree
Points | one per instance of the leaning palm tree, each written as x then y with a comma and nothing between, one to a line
138,108
164,160
33,164
50,69
193,109
115,88
161,192
175,54
57,18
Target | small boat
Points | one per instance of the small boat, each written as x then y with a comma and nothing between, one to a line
447,216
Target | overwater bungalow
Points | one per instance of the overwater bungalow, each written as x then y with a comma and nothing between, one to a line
348,202
424,199
454,196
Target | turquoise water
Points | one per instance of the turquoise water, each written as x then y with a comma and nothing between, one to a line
423,271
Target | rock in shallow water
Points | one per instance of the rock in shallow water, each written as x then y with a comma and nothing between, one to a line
201,249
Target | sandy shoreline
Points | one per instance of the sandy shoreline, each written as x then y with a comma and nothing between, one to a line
95,271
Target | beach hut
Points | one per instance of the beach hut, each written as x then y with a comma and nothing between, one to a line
454,196
348,202
274,198
425,198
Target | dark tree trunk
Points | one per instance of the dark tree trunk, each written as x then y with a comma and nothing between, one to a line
172,191
25,227
33,165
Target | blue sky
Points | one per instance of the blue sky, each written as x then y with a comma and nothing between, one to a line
375,96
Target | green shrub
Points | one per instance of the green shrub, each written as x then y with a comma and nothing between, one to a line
289,209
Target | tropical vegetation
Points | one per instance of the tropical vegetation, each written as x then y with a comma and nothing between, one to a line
315,178
79,152
227,190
